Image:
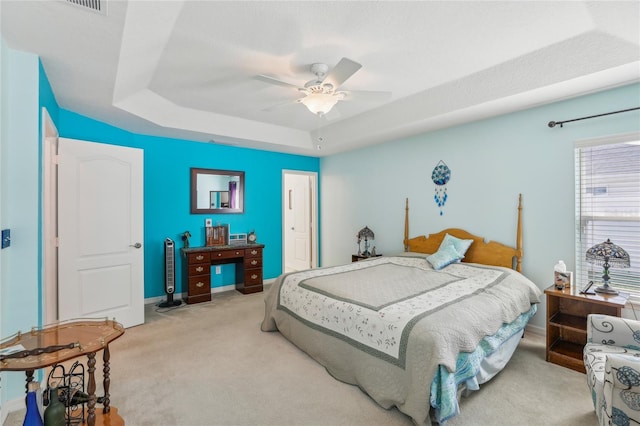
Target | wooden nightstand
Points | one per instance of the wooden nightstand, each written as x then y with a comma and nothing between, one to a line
567,312
357,257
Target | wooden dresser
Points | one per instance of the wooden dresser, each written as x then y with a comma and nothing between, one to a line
197,269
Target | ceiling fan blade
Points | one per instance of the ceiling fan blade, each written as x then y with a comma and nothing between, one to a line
280,105
366,95
341,72
271,80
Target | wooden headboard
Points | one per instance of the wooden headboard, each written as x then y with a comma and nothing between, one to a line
491,253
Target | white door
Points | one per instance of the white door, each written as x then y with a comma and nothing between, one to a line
297,222
100,230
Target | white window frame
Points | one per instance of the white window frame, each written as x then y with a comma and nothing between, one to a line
585,271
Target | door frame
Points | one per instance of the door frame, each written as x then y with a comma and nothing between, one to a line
49,219
313,197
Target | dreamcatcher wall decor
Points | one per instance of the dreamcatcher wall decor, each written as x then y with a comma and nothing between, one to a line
440,176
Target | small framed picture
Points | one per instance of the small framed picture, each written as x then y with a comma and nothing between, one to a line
563,279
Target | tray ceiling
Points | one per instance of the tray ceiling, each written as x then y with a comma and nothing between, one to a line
187,69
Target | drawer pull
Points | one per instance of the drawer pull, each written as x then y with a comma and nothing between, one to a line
237,252
199,284
199,269
254,262
254,252
199,257
254,276
219,254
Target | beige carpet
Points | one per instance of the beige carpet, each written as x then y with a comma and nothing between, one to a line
209,364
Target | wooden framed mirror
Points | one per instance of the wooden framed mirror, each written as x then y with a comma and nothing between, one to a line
217,191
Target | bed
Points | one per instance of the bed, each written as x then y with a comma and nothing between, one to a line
409,330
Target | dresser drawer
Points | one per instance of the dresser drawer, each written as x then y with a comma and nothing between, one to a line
252,277
227,254
253,252
200,269
252,262
199,285
199,257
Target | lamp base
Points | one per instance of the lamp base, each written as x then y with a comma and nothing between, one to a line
605,289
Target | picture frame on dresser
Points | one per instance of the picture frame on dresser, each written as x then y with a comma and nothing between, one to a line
563,279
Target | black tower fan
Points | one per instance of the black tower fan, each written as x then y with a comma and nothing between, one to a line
169,274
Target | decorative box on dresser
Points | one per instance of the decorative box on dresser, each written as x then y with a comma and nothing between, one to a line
567,312
197,268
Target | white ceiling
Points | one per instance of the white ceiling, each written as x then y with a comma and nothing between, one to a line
186,69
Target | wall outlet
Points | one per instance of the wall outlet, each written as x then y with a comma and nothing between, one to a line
218,270
208,223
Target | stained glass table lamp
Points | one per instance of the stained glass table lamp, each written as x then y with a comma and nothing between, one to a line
365,234
608,254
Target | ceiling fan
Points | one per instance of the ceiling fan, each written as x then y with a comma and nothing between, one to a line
321,94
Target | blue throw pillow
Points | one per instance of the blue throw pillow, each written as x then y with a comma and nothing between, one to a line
461,246
443,257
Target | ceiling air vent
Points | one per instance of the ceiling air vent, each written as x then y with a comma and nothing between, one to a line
98,6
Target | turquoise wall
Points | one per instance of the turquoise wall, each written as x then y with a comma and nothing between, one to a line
167,164
491,162
24,90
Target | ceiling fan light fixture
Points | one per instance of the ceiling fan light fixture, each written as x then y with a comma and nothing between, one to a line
321,103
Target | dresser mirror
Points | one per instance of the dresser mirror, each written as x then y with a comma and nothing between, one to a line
217,191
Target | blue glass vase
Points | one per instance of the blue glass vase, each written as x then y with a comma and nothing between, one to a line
32,418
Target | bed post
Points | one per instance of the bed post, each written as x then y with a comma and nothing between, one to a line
406,225
519,253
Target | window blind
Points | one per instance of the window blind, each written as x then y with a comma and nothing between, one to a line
608,207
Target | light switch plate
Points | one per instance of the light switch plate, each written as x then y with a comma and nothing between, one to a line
6,238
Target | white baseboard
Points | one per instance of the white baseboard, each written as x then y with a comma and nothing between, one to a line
12,406
16,404
223,289
534,329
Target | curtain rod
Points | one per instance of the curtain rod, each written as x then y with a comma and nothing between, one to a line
554,123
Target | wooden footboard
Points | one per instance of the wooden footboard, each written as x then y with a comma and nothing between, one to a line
491,253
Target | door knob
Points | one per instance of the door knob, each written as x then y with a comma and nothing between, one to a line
136,245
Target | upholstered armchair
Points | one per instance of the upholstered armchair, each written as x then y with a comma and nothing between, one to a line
612,361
